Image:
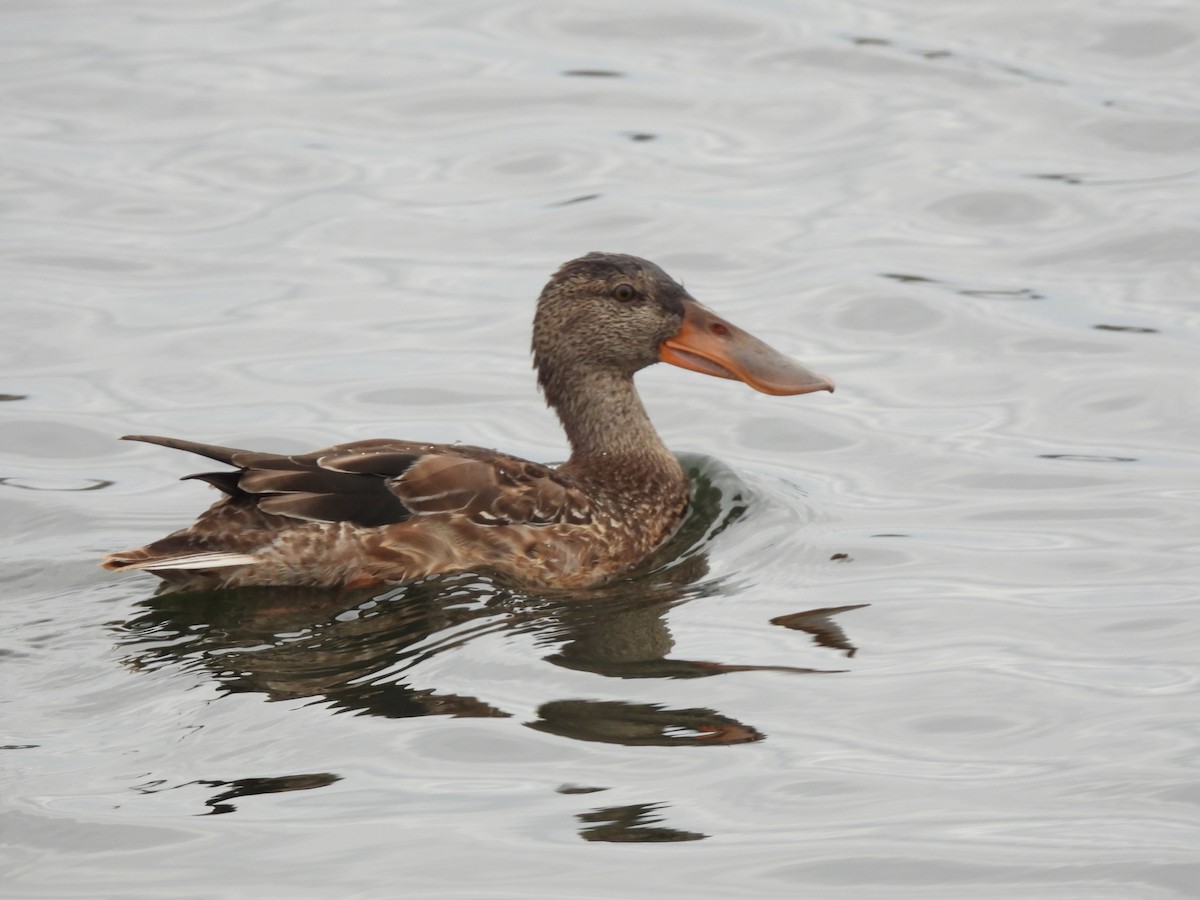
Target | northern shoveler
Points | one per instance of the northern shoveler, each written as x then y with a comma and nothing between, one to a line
378,511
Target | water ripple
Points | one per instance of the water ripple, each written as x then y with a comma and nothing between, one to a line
945,644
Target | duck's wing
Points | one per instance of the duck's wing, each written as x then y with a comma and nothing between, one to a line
383,482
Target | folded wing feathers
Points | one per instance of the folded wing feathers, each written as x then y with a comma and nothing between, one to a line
369,510
309,480
490,490
380,482
391,461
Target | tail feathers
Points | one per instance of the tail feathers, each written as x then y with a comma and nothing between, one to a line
184,561
212,451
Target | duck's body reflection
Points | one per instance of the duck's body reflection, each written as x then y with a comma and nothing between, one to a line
362,651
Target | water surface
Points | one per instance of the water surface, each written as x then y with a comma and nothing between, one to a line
931,636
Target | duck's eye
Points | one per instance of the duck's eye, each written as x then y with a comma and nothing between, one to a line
624,292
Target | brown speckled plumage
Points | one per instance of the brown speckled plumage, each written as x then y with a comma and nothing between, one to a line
392,511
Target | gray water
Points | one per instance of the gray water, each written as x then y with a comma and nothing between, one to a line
931,636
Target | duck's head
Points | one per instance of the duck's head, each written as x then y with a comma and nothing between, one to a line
616,313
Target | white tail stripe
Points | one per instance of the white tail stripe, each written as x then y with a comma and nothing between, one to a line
196,561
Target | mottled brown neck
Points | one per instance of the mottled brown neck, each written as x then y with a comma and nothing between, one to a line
612,438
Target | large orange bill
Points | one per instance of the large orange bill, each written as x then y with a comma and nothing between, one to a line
707,343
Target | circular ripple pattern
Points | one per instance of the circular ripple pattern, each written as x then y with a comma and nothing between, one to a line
931,636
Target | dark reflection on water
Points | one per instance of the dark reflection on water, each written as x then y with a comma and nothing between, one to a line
1129,329
246,787
361,651
78,484
582,198
1064,177
632,824
640,724
352,649
1023,293
593,73
819,623
997,293
1086,457
951,58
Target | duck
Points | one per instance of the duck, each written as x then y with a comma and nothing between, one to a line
385,512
